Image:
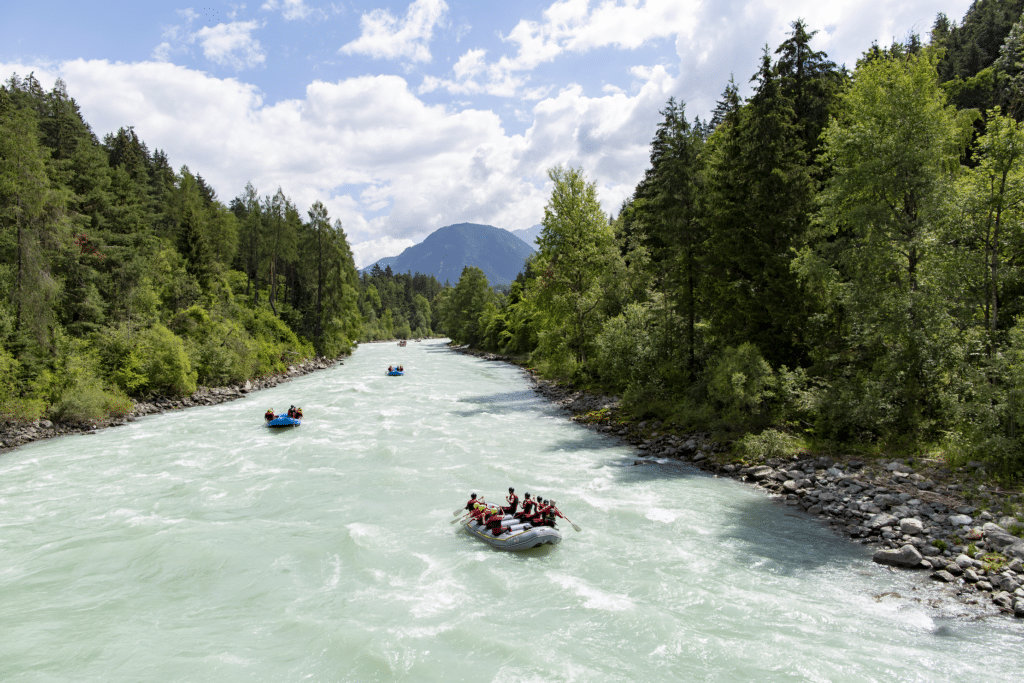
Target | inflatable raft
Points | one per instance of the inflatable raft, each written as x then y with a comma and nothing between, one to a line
284,421
396,373
516,535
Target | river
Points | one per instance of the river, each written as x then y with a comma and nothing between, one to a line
201,546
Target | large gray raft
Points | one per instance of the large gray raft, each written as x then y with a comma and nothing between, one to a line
518,536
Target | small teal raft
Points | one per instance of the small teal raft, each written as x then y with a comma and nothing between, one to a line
284,421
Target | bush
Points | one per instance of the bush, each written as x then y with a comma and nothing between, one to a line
90,402
770,443
165,363
624,351
741,384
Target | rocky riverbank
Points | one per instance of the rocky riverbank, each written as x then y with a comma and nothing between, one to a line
14,435
912,513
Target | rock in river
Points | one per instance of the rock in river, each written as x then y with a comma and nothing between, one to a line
907,556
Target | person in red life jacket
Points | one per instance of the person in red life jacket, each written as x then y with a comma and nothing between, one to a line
513,502
390,369
493,521
269,415
478,513
551,513
298,413
538,517
471,504
528,506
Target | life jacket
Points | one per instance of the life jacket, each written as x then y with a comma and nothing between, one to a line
528,505
513,503
471,503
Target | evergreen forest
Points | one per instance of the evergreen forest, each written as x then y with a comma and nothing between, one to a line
122,278
835,260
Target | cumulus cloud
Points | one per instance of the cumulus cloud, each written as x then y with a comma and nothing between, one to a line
386,36
231,44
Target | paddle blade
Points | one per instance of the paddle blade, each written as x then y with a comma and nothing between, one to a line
574,526
459,511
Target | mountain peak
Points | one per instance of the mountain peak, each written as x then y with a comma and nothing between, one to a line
446,251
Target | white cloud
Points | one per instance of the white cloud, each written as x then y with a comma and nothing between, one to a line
386,36
290,9
231,44
367,252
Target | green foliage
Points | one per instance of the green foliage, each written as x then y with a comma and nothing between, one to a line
577,263
625,350
940,544
165,363
742,385
770,443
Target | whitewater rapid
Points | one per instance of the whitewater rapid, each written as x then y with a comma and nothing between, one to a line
201,546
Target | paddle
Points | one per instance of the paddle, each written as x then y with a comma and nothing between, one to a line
570,522
457,519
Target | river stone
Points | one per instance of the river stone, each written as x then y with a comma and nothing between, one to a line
943,575
880,520
954,569
789,486
884,500
959,520
1004,583
1016,566
966,562
1007,522
971,576
1003,600
984,585
1018,608
907,556
911,526
761,472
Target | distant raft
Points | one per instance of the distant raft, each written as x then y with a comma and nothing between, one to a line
515,535
284,421
396,373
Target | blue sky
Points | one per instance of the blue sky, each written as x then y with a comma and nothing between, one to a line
406,116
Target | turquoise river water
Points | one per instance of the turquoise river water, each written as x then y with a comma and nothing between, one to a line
201,546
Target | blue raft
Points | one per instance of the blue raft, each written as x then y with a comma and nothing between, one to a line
396,373
284,421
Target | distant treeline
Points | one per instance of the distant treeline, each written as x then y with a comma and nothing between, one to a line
120,277
837,258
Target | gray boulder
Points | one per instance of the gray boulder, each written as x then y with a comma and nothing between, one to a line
959,520
1007,522
1015,551
907,556
943,575
1018,608
880,520
884,500
1003,600
911,526
966,562
761,472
